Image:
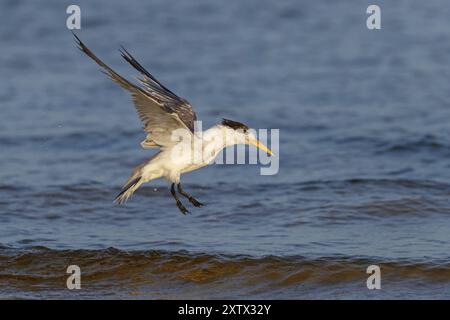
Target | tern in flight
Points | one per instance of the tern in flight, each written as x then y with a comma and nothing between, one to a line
163,113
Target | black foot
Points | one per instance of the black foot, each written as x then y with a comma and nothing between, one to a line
195,202
182,208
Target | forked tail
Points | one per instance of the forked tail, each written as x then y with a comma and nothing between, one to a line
133,183
128,189
140,175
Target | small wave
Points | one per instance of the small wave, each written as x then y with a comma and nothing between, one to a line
429,143
400,145
381,182
43,268
375,197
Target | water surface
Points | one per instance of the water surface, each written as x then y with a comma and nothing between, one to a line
364,148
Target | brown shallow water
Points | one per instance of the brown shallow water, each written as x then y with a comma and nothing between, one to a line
111,273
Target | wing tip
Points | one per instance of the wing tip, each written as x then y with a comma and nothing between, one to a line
80,45
77,39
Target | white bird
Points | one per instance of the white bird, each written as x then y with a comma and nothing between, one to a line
169,123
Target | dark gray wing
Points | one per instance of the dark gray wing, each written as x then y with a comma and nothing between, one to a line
156,112
158,91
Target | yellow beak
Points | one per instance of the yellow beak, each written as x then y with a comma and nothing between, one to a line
261,146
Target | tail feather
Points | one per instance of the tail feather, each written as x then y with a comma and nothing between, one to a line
137,178
128,190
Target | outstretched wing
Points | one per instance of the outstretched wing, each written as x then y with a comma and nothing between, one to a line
159,109
157,90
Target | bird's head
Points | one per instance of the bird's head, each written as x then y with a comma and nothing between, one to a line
239,133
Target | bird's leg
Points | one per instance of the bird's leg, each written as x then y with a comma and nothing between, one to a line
191,199
179,204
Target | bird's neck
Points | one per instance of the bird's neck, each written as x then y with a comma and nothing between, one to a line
214,140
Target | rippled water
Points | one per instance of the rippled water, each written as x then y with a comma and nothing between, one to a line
364,146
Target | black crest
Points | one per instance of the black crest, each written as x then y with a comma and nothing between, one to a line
234,125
